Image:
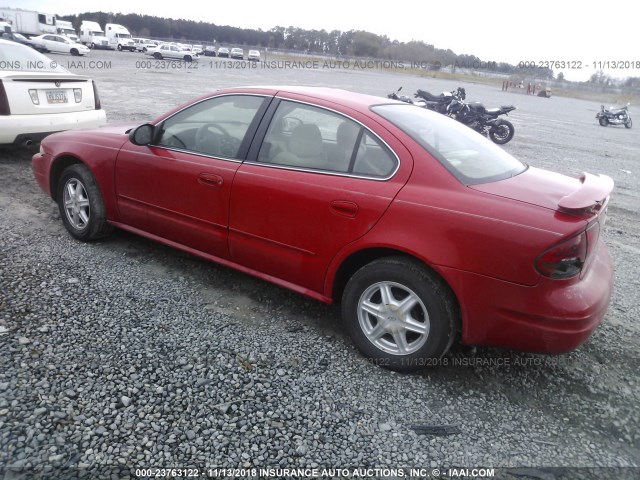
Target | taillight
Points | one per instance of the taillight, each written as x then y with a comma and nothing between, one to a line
567,258
96,97
4,101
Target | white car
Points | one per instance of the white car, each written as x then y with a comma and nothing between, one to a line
171,51
237,53
37,99
253,55
144,44
58,44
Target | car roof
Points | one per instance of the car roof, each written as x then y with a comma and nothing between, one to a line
7,72
357,101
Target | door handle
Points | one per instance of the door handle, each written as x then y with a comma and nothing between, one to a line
344,208
210,180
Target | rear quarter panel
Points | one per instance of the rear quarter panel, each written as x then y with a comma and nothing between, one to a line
444,223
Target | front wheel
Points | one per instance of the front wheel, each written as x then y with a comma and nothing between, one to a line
74,52
628,123
603,121
400,315
157,56
92,46
119,47
81,205
502,132
187,58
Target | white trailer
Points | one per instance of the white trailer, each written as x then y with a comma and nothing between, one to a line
29,22
119,37
92,35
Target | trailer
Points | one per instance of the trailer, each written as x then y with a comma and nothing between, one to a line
29,22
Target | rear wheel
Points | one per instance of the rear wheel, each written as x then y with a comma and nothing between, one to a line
603,121
628,123
502,133
81,205
400,315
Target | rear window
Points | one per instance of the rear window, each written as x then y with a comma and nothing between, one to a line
469,156
16,57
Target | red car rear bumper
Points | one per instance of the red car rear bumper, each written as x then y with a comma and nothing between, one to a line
555,316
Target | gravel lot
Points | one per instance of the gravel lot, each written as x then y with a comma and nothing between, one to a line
126,354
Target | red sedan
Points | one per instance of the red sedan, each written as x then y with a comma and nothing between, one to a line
424,230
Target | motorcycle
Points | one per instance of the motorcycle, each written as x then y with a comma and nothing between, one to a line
440,103
404,98
483,120
614,116
396,96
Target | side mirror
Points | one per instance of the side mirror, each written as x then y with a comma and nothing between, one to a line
142,135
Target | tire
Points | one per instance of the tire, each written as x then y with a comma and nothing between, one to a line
92,46
504,134
144,49
119,47
74,52
603,121
433,314
81,205
157,56
628,123
187,58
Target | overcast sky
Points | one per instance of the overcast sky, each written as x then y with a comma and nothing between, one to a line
510,31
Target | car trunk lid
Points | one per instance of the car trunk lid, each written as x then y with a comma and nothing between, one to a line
582,197
39,93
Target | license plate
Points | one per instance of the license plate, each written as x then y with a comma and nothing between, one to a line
57,96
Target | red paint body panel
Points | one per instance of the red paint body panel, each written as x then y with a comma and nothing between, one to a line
297,228
176,195
551,317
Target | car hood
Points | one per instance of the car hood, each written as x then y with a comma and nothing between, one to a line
109,133
552,190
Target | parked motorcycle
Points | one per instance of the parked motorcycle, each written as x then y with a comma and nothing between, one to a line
615,116
396,96
440,103
484,120
474,115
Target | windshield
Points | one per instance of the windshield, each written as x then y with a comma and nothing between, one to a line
469,156
20,58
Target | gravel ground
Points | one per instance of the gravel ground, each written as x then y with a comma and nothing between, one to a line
126,354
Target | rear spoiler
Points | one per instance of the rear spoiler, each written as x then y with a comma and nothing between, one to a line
592,194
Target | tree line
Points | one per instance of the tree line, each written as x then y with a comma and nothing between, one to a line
352,43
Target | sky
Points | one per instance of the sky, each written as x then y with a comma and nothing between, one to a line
576,32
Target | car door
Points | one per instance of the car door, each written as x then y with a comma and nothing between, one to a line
178,187
304,192
50,43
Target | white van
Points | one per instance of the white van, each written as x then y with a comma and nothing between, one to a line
119,37
92,35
